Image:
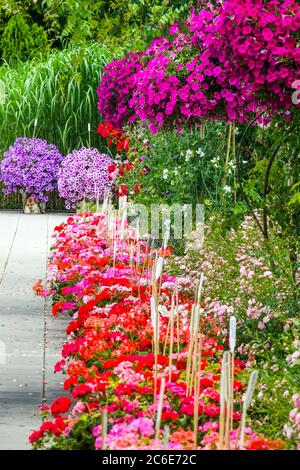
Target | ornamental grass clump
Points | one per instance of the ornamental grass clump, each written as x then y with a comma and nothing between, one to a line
84,175
30,167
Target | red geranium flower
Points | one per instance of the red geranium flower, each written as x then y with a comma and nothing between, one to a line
35,436
81,390
60,405
111,168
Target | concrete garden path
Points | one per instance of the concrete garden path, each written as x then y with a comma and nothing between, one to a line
25,325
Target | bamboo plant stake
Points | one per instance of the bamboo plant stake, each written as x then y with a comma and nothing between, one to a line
143,267
167,336
154,284
232,344
115,237
247,401
197,389
35,127
229,405
104,204
192,348
131,265
145,257
159,408
171,336
154,318
224,397
97,201
149,259
188,362
158,272
89,135
202,130
194,327
222,405
177,314
166,436
234,159
227,155
199,290
103,429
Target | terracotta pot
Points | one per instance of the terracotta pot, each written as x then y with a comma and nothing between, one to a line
31,206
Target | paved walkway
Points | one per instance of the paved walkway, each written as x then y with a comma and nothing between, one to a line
24,319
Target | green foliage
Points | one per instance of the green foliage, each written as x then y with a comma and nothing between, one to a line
273,402
59,93
134,22
23,40
185,167
271,179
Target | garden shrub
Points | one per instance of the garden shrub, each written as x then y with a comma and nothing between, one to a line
23,39
184,167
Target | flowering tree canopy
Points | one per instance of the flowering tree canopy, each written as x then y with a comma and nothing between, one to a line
232,61
30,166
84,175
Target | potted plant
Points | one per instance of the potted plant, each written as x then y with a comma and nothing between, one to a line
84,176
30,167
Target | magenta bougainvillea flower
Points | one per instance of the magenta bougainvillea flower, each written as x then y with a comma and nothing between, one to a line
234,61
84,175
30,166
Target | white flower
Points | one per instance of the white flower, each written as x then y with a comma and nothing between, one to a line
227,189
165,174
200,152
215,162
188,155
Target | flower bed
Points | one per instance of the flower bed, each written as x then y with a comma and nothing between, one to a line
125,393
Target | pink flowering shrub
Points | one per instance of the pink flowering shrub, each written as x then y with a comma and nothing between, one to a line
292,430
235,60
240,280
